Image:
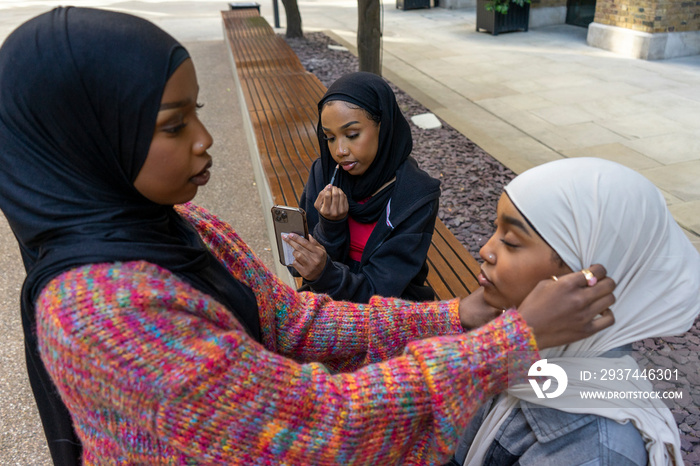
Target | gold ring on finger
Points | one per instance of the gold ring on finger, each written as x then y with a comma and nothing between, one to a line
590,278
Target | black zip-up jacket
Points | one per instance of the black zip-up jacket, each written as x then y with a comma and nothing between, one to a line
394,259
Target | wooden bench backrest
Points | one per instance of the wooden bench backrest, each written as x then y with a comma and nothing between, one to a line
281,100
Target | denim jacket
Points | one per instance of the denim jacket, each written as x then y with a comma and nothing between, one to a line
534,435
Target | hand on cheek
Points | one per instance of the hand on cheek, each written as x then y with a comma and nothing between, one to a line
568,309
474,311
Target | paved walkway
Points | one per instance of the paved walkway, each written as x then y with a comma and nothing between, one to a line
526,98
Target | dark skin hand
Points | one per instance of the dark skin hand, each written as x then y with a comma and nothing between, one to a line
558,312
332,203
475,312
309,256
564,311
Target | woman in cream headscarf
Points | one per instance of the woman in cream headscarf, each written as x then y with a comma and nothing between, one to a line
584,211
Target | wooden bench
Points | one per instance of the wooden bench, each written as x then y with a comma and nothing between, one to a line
278,98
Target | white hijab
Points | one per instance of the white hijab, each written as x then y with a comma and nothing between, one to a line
596,211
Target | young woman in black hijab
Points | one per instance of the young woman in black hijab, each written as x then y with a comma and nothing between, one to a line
71,149
371,229
154,335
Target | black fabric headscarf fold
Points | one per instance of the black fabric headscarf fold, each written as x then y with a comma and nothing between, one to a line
372,93
80,90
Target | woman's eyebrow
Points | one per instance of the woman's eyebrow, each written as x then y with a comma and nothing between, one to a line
350,123
516,223
178,104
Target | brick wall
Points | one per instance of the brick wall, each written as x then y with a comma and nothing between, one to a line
650,16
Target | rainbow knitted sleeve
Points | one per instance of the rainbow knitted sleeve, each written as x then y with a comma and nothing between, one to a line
310,327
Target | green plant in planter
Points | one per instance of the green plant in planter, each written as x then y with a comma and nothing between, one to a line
501,6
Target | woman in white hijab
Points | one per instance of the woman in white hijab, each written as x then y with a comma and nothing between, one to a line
584,211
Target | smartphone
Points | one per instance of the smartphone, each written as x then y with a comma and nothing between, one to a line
288,220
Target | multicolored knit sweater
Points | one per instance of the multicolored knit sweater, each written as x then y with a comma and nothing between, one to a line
155,372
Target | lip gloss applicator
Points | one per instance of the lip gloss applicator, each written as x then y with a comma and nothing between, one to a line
334,173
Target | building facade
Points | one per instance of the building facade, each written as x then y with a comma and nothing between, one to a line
646,29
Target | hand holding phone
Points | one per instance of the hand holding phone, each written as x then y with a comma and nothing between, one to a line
288,220
310,256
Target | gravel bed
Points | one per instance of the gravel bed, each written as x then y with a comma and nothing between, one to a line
472,182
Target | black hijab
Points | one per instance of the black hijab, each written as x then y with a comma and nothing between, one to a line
80,91
372,93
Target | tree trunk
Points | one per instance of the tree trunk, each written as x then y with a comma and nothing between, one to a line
369,36
291,10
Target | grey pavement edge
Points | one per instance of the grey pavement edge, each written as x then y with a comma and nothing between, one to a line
526,98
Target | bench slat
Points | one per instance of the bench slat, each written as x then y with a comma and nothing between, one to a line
457,268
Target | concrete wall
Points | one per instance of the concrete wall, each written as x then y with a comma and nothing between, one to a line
644,45
647,29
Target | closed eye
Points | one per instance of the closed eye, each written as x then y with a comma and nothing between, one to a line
509,244
175,129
